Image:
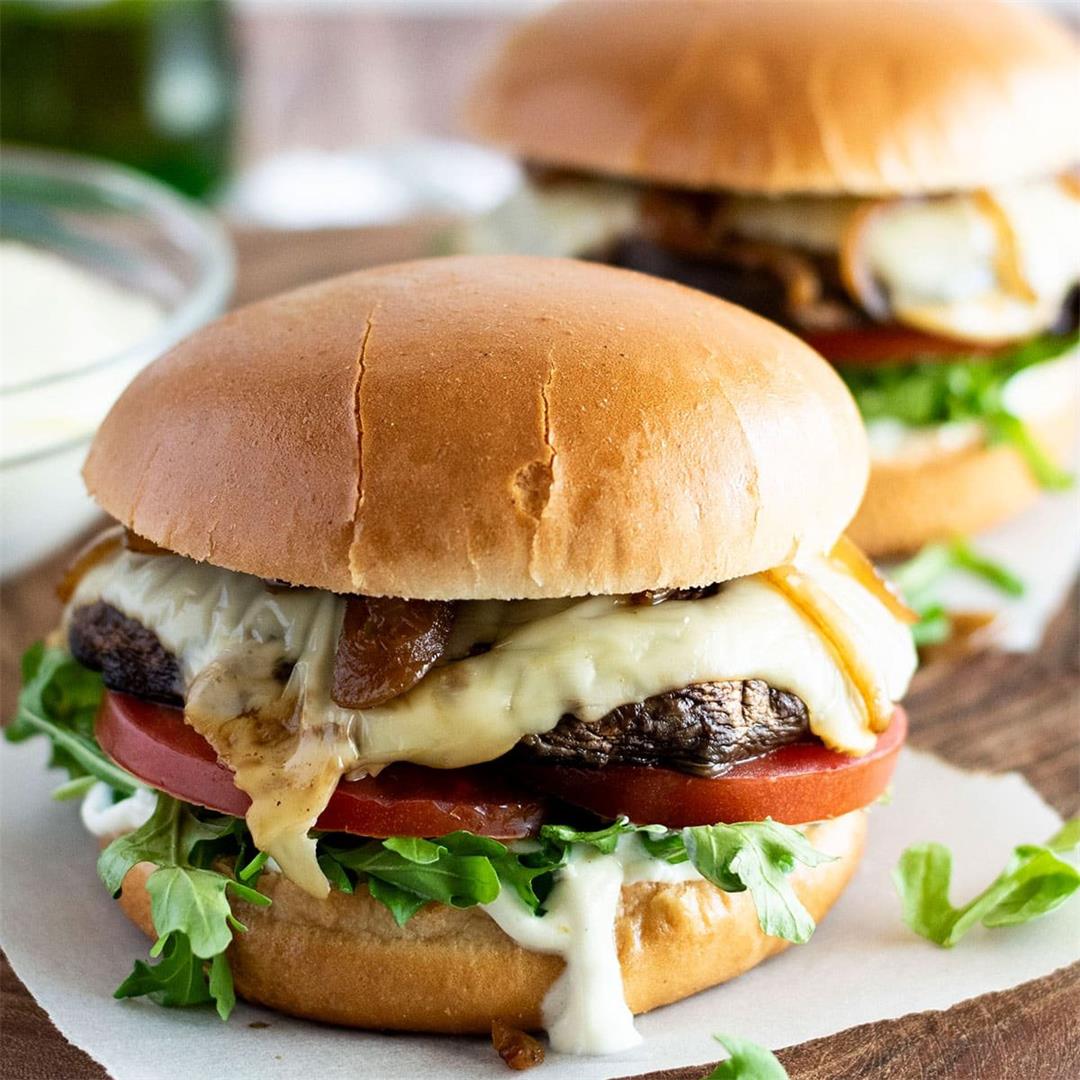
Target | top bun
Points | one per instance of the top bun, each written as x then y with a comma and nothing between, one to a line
868,97
479,427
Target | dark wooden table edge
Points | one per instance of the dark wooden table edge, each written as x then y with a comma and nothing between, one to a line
998,1040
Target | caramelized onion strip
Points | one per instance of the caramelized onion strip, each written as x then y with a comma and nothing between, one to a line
386,646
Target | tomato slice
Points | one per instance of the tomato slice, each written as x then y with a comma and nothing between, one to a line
155,744
795,784
869,346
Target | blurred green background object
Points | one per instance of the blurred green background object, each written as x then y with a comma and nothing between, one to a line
149,83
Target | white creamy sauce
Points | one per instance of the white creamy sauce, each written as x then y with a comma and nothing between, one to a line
103,818
585,1011
231,633
1031,394
56,316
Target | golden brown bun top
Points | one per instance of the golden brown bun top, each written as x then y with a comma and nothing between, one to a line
828,96
478,427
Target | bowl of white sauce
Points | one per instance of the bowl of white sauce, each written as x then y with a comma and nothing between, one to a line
101,271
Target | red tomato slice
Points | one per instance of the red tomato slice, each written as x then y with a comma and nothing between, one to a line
868,346
155,744
795,784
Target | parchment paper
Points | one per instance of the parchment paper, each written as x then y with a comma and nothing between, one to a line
71,947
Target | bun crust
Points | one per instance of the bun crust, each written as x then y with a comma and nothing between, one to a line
486,427
965,491
828,96
344,961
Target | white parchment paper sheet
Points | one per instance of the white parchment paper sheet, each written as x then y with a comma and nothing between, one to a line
71,947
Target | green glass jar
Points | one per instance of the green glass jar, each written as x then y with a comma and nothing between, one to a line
150,83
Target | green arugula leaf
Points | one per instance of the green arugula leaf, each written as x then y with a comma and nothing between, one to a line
604,840
1035,882
1067,838
758,856
964,557
528,873
747,1061
336,874
920,578
176,979
461,869
221,986
456,880
401,903
189,902
59,699
414,849
1004,427
939,392
74,789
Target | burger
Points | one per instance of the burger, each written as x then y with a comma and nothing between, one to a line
890,181
477,643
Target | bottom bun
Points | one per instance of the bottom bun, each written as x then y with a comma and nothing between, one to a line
911,503
345,961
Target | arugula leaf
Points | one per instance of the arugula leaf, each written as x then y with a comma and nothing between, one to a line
939,392
1034,883
1004,427
462,869
528,873
604,840
920,578
747,1061
59,699
176,979
189,903
401,903
758,856
221,986
436,873
1067,838
414,849
336,874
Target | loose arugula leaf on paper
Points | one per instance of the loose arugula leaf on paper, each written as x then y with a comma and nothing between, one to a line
920,578
1035,882
747,1061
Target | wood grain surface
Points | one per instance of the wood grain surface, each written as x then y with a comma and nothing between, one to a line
988,711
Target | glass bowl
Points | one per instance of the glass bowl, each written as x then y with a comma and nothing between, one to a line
140,236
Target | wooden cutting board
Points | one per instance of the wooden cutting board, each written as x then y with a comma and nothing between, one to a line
983,711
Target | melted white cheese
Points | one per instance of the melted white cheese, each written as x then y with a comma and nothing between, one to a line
101,817
941,260
231,634
568,216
